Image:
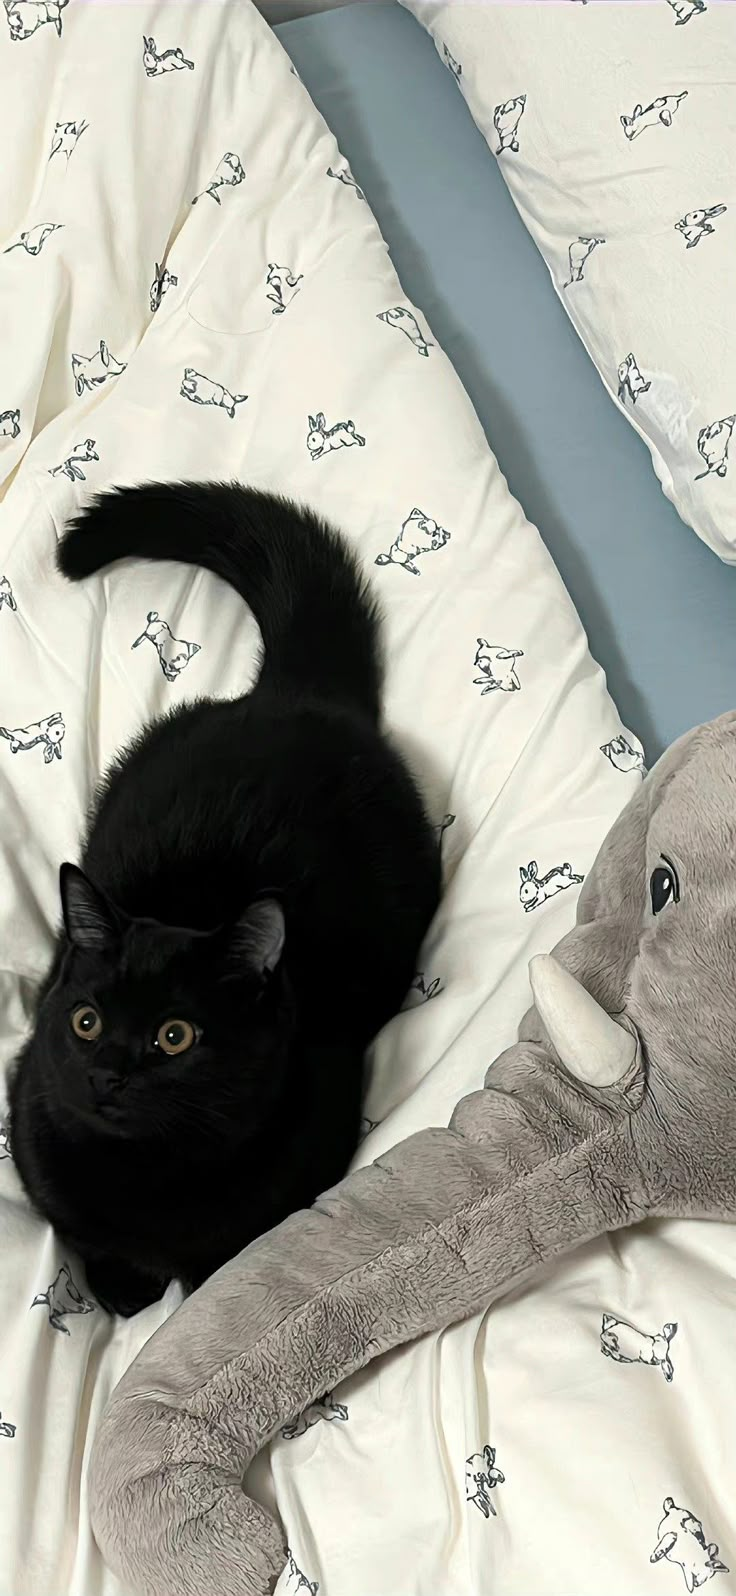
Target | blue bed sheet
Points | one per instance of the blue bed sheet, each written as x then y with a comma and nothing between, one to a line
657,605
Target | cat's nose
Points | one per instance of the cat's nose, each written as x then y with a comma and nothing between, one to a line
104,1082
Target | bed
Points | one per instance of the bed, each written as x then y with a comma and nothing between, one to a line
658,611
236,336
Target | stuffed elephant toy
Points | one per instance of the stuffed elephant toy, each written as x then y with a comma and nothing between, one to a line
617,1103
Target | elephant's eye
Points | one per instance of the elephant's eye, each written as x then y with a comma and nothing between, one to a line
664,886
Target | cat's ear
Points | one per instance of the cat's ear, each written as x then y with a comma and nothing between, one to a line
257,942
89,920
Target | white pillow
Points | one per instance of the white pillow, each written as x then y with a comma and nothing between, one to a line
614,125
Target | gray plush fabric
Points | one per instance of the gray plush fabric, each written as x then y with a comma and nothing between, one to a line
531,1166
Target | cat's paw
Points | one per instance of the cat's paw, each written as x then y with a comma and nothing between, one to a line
121,1289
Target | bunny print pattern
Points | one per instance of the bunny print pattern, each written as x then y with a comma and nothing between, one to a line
297,1581
325,1408
228,173
695,225
155,64
681,1540
201,390
419,535
281,286
345,176
481,1478
174,653
506,119
497,668
322,439
33,240
625,1344
577,255
90,371
25,17
62,1299
47,734
163,280
713,444
536,889
622,754
659,113
405,321
685,10
65,138
81,454
631,384
9,423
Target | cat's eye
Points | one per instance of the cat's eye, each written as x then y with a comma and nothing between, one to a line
664,886
175,1036
86,1023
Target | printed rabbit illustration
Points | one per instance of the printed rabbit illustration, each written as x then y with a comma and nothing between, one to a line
713,442
201,390
659,113
322,439
296,1580
452,65
685,9
325,1408
228,173
345,176
405,321
163,280
630,381
90,371
7,1430
621,754
25,17
168,61
695,225
34,239
497,667
426,989
536,889
482,1477
577,255
282,285
625,1344
7,597
173,652
48,734
62,1298
681,1540
419,535
81,454
9,423
65,138
506,119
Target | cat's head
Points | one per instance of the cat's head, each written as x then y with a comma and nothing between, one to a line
150,1029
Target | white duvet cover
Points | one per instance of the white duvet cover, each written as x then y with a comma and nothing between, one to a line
193,284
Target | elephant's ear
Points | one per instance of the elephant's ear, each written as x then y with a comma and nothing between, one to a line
601,949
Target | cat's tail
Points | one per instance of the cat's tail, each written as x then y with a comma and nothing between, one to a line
317,618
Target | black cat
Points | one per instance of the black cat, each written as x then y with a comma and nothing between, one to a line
256,882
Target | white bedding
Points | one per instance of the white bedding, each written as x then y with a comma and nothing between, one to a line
513,735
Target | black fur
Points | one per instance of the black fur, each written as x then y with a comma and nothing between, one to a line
262,868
